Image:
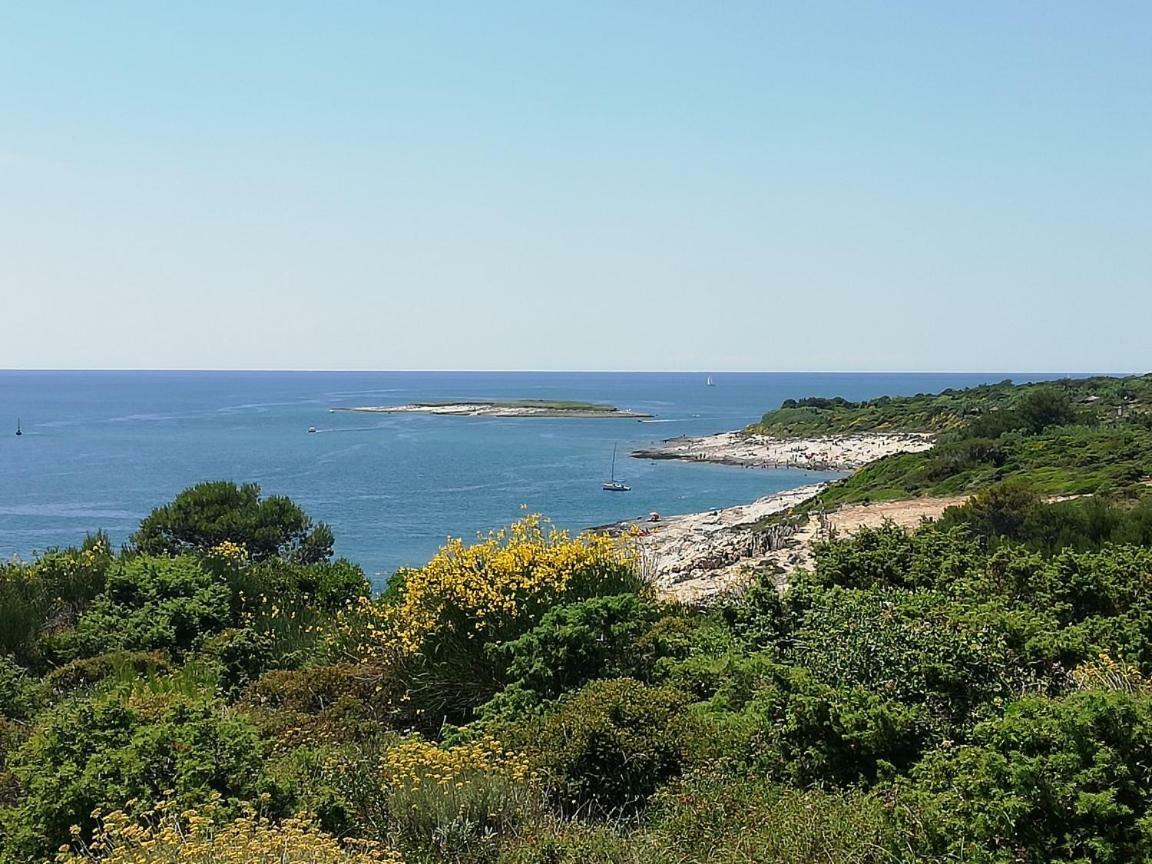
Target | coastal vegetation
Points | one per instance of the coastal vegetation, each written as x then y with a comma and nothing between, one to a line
994,407
976,689
1069,437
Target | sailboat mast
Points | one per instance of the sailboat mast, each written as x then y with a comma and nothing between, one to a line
613,462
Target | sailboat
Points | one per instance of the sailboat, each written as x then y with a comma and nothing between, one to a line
615,485
18,432
710,382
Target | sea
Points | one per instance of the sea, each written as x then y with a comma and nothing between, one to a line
101,449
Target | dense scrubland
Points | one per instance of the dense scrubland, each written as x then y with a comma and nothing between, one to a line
978,689
1069,437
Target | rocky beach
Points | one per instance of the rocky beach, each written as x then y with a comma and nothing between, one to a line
694,557
823,453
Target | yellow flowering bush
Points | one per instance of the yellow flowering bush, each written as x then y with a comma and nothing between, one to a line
449,800
168,837
227,551
497,587
1107,673
416,762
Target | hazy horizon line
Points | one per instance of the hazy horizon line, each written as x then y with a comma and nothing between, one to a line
704,371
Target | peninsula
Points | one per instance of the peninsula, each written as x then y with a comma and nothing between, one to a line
908,459
506,408
814,452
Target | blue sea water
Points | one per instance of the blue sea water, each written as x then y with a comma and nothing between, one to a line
101,449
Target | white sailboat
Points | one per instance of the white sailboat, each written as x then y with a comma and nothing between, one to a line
710,382
614,485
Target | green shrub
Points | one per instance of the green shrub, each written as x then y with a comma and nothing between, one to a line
325,704
324,586
606,747
1050,782
457,803
758,615
20,695
241,655
204,516
571,645
809,732
116,752
1073,586
1012,512
920,648
152,603
724,821
48,595
890,556
721,820
1041,407
122,667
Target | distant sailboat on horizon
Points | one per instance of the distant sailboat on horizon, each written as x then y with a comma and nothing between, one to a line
18,430
614,485
709,382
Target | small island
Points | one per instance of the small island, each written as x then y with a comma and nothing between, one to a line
505,408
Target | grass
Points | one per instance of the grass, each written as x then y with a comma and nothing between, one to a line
728,821
1073,460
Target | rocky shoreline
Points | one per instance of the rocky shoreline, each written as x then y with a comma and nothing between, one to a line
696,556
823,453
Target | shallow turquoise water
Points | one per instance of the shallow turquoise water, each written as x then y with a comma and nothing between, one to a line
100,449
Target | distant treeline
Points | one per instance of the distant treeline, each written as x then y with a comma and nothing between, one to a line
1068,437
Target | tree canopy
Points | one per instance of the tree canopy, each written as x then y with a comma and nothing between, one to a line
208,514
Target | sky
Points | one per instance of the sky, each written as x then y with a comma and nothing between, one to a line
594,185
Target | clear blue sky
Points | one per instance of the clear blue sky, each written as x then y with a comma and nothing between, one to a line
588,185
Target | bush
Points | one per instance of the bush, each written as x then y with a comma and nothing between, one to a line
123,667
48,595
168,837
20,695
725,821
758,615
572,645
152,603
115,752
950,458
1074,586
722,820
457,803
890,556
325,586
1058,781
605,748
208,515
324,704
1006,510
442,617
809,732
241,655
1041,407
920,648
1012,512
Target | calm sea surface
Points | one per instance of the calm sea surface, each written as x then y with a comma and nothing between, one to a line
100,449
